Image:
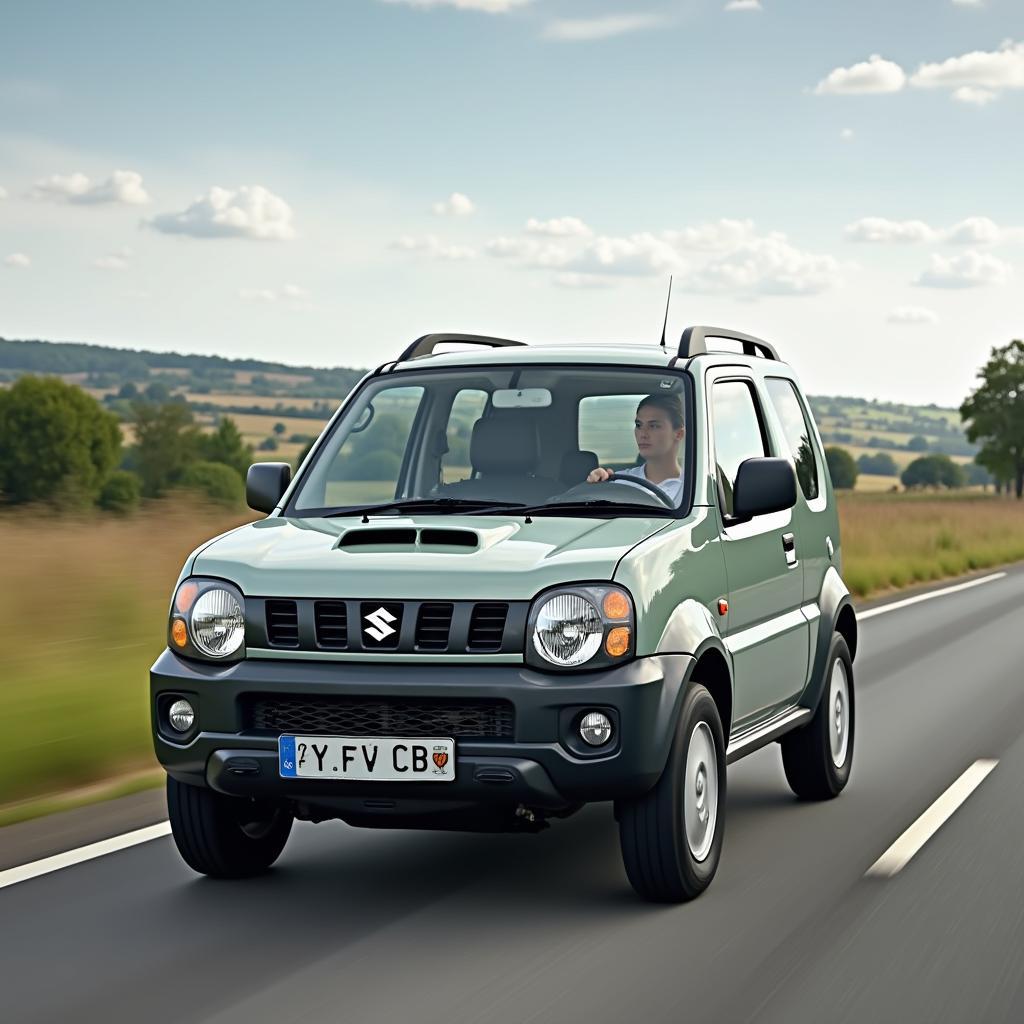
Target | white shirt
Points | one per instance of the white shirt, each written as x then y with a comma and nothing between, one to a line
672,488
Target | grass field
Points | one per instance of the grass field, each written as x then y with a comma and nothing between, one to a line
83,614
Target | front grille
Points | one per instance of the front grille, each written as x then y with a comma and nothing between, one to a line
331,621
487,626
372,716
433,625
283,623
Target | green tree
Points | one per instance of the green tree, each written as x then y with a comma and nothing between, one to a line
917,444
158,392
841,467
216,481
166,442
268,444
279,428
976,475
879,464
55,441
120,492
994,413
225,445
933,471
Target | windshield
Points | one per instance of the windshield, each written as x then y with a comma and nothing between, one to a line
544,438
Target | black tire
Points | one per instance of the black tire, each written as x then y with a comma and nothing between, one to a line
811,770
659,861
223,836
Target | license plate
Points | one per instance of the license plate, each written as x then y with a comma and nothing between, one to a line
362,759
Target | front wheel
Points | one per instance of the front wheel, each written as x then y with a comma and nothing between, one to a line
223,836
672,836
818,757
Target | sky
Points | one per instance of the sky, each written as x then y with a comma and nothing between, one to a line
321,182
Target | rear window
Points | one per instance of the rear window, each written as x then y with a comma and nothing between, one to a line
797,431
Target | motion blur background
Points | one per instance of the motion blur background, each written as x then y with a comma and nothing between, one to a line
262,200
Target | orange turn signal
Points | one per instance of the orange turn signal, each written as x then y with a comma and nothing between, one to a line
179,634
616,605
617,641
185,597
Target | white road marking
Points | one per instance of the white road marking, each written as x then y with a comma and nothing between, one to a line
24,872
870,612
899,854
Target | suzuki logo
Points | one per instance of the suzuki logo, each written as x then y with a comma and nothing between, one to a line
379,627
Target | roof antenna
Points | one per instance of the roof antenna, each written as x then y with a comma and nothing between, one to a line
665,324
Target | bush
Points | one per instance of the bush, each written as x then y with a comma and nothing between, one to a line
218,482
841,468
879,464
120,492
268,444
55,440
933,471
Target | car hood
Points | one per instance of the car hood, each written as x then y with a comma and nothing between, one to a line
472,558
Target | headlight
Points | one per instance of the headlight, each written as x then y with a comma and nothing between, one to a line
589,625
207,619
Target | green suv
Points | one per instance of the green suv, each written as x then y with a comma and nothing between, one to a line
508,581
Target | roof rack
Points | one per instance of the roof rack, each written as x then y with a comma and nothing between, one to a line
425,346
693,342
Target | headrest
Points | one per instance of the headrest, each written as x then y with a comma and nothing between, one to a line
504,445
576,467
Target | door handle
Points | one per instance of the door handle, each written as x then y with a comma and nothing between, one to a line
789,549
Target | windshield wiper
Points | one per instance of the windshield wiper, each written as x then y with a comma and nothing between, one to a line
441,504
592,504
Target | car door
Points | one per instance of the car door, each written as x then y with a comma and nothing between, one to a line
767,633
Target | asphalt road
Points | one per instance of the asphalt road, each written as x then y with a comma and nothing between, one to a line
361,926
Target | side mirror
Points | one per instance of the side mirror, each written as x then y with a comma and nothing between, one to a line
763,486
265,483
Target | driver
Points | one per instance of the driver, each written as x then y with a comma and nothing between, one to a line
658,428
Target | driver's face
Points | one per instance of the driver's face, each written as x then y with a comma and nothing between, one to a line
654,434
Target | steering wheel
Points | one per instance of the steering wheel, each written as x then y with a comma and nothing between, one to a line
646,484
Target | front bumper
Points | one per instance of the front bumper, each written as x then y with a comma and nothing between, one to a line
540,766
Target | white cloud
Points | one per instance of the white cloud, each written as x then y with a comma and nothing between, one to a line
456,205
528,252
569,280
18,260
113,260
969,231
846,134
638,254
912,316
575,30
559,227
288,291
971,270
430,246
875,75
978,231
968,3
976,77
975,95
879,229
121,187
250,211
767,266
744,5
488,6
713,236
3,192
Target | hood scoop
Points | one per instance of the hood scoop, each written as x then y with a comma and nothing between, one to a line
409,538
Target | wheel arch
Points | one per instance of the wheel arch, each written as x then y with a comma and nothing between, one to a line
837,616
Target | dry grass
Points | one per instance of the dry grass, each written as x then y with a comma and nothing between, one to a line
895,540
83,614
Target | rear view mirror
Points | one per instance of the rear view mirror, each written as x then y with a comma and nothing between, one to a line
265,483
763,486
521,398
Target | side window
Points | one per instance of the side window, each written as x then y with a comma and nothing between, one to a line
738,434
605,426
366,467
798,433
467,408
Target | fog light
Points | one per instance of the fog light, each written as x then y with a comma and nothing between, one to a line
596,729
181,716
